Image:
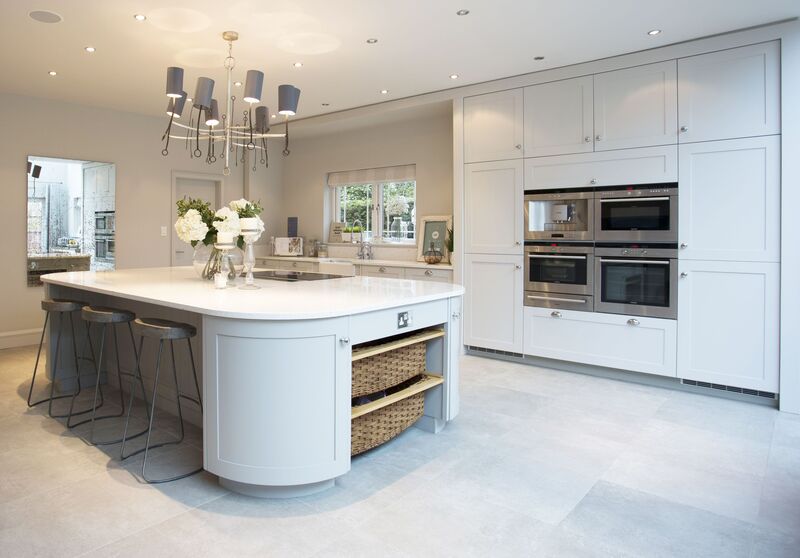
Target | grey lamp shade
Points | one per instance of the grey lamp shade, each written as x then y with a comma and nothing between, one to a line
262,120
175,105
174,82
203,93
288,97
253,85
37,171
212,114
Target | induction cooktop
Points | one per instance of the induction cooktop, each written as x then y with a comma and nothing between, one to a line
292,276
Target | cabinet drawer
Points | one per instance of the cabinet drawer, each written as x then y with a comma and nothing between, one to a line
646,165
383,323
646,345
422,274
382,271
274,263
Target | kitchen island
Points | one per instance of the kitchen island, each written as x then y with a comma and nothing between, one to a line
276,362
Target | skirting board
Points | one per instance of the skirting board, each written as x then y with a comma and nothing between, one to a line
20,338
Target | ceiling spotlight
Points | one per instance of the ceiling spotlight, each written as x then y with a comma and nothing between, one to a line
237,83
298,64
372,41
188,99
52,73
453,76
654,32
462,12
538,58
384,91
139,17
89,49
273,116
326,104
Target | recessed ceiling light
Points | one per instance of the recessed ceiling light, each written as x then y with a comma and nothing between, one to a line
538,58
453,76
462,12
139,17
384,91
43,16
372,41
298,64
326,104
237,83
274,116
52,73
89,49
654,32
188,99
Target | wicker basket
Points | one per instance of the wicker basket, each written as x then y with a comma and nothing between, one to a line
379,372
381,425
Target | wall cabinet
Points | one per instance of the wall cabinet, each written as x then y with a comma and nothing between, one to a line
731,93
729,203
559,117
623,342
493,126
728,322
636,107
493,198
493,302
646,165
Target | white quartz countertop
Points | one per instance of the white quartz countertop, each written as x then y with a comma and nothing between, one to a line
356,261
180,287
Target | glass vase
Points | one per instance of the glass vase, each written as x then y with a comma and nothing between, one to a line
396,228
208,261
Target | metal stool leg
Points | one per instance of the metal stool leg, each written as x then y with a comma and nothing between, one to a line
72,411
36,366
137,376
54,366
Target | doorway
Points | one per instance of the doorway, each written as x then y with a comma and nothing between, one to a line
207,187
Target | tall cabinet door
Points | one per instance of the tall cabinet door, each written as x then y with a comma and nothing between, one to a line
732,93
493,195
493,302
636,107
493,126
728,321
558,117
730,200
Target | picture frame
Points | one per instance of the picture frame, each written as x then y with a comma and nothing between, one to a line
337,229
433,228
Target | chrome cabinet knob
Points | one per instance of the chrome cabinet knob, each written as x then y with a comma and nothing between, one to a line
684,128
598,137
294,264
587,139
684,275
517,266
428,272
518,146
593,181
555,314
517,243
456,315
344,340
684,245
382,269
633,322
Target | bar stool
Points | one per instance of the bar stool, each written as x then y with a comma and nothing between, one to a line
62,306
110,317
164,330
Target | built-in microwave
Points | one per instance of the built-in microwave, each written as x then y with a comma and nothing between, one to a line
104,222
559,275
636,280
637,214
559,215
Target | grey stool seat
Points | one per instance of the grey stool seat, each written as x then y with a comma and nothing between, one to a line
111,318
163,331
62,307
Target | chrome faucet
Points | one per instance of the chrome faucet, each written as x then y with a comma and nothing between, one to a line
364,247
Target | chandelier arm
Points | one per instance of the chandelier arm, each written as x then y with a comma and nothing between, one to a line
286,143
166,135
250,144
197,152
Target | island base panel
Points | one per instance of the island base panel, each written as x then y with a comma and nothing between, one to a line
259,491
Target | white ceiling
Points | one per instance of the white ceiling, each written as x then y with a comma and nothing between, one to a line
421,42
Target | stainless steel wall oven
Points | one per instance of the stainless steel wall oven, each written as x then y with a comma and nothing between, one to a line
559,275
637,214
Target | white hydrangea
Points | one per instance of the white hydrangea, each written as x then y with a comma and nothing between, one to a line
190,227
239,205
227,220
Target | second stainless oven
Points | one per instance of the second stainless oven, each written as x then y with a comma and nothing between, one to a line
559,275
637,214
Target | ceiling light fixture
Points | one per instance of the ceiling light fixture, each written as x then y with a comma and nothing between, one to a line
453,76
43,16
89,49
274,116
372,41
654,32
252,131
462,12
139,17
384,91
298,64
52,73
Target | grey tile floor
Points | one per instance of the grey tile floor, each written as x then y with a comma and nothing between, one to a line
539,463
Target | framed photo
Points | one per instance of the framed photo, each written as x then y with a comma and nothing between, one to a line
336,232
433,231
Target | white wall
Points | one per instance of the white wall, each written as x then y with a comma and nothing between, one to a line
143,188
424,140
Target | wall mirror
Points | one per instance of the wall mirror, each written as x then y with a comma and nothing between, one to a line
71,216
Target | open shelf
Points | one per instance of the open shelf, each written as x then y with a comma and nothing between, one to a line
372,350
424,385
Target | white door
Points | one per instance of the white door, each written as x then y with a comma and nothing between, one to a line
729,203
493,302
493,198
636,107
728,319
493,126
732,93
558,117
207,189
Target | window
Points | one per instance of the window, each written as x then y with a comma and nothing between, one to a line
384,206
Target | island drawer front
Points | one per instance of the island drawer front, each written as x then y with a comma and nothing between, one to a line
384,323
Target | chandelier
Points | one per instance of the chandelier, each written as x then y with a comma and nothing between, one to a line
206,129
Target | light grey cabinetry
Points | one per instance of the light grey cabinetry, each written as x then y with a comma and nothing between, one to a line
493,126
559,117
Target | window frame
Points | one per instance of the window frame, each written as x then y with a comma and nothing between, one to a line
376,210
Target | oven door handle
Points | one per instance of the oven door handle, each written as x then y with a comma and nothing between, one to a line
632,260
622,200
556,256
556,299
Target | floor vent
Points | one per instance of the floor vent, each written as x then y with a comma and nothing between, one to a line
721,387
494,351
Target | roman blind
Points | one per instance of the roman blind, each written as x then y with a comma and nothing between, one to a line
401,173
